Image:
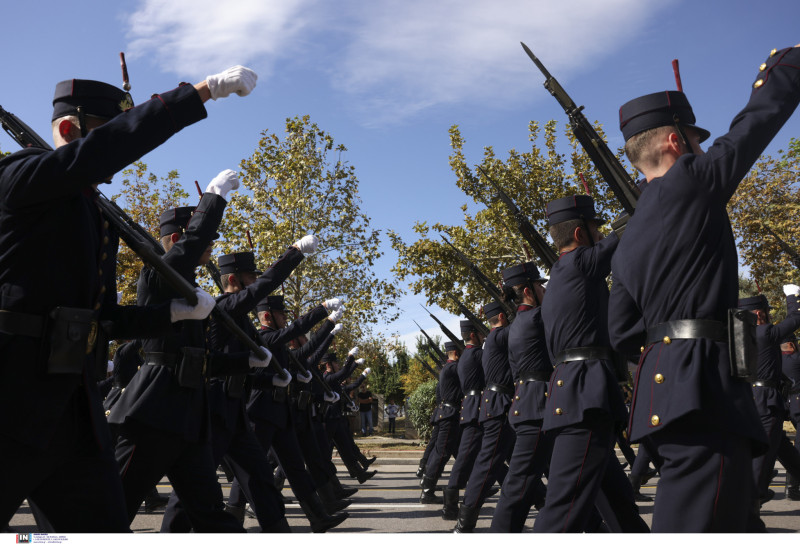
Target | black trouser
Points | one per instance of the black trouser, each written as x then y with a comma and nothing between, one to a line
447,440
772,420
339,432
248,462
523,484
318,467
468,448
75,484
496,445
145,455
391,425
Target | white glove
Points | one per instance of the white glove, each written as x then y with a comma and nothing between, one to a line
307,244
278,381
226,181
255,362
367,372
180,309
791,289
119,297
238,79
333,396
332,304
353,352
336,329
360,361
304,377
337,315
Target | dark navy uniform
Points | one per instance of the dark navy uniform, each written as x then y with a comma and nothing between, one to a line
57,441
766,393
231,435
700,419
163,417
530,365
584,404
445,417
498,437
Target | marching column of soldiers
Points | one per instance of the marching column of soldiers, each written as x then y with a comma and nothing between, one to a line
537,398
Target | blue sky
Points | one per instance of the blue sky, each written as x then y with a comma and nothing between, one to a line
387,79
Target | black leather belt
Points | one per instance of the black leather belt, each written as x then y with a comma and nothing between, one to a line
157,358
473,392
19,324
584,354
765,383
534,376
688,329
500,388
450,405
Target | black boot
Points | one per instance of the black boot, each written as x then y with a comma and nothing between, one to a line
636,483
450,498
319,519
368,462
237,511
328,496
364,476
342,492
428,495
154,501
651,472
494,490
540,494
792,488
279,479
467,519
420,471
280,526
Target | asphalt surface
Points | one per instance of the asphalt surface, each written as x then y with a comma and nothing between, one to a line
389,503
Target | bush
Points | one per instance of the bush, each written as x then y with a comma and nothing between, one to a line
421,404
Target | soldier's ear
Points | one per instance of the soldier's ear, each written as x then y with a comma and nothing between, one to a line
68,131
576,235
175,236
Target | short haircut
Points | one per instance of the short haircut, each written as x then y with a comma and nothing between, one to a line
640,149
561,233
493,321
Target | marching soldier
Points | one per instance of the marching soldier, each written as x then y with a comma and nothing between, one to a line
472,382
584,405
498,437
675,280
50,338
791,370
531,369
446,418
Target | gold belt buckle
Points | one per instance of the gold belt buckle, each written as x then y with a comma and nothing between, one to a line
92,339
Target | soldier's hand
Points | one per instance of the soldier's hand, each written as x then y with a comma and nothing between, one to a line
791,289
332,304
360,361
225,182
336,329
238,79
304,377
336,315
282,380
333,396
180,309
307,244
255,362
367,371
353,352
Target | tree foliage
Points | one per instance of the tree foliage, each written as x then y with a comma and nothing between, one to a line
488,236
300,184
416,374
769,197
421,404
144,197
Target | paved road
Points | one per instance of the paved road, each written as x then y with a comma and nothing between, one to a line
388,503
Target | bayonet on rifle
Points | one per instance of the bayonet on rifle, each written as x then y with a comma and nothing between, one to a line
445,330
469,315
485,282
432,345
793,255
604,160
524,226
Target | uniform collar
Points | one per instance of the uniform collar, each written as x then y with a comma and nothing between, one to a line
524,308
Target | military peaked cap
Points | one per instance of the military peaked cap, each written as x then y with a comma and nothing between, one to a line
754,303
467,327
243,261
492,309
93,97
571,207
329,357
451,346
657,110
176,220
520,273
272,302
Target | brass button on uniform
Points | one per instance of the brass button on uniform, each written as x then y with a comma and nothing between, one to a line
516,412
123,390
546,394
462,418
108,412
104,256
521,382
560,383
641,349
667,340
487,400
97,306
762,67
772,53
758,83
517,397
105,239
440,416
105,224
102,289
559,411
655,421
659,378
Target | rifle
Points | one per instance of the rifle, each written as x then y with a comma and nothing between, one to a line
137,238
793,255
469,315
445,330
427,367
432,345
524,226
485,282
604,160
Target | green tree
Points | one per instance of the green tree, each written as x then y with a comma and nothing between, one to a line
144,197
488,236
301,184
421,404
416,373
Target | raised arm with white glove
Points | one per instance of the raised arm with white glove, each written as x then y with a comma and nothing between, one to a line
367,371
304,377
307,244
791,289
237,79
255,362
360,362
336,329
336,315
333,396
180,309
353,352
332,304
225,182
279,380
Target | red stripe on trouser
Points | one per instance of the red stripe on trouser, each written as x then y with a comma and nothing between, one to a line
578,483
128,462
